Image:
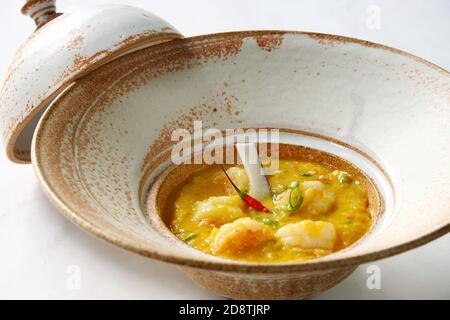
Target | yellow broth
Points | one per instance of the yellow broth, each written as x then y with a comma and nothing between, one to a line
331,217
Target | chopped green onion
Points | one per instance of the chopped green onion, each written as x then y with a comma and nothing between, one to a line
270,222
187,236
306,174
347,222
295,200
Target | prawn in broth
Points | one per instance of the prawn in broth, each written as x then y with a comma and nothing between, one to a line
319,204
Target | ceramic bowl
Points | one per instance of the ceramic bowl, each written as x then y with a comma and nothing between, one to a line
100,146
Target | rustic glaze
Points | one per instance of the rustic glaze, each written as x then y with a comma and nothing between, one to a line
61,50
103,142
285,286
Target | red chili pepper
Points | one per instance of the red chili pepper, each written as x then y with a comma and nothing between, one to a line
252,202
255,204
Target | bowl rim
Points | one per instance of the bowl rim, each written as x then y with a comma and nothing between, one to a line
231,265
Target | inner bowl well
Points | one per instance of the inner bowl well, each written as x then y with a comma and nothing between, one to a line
103,142
162,188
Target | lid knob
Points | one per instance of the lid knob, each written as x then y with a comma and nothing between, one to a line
41,11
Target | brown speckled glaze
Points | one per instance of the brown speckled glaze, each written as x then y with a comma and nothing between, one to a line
268,286
269,42
102,143
64,48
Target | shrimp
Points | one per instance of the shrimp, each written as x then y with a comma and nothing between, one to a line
219,210
240,235
308,234
317,198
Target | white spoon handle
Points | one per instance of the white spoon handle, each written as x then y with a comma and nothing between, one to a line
259,187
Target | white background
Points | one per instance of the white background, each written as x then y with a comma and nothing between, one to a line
40,251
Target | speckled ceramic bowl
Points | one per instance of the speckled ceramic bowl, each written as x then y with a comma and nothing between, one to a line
104,141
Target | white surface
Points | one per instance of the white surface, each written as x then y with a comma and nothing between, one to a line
43,254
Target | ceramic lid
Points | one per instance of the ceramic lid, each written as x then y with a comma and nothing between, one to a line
63,48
